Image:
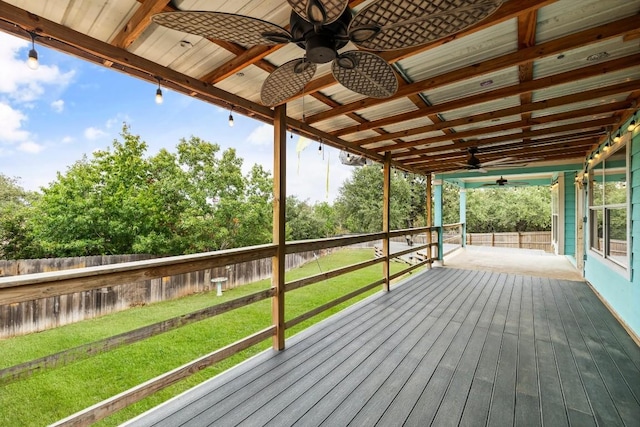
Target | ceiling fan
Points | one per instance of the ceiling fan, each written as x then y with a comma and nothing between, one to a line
474,164
503,181
323,27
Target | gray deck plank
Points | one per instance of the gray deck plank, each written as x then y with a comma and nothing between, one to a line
343,354
600,400
401,404
573,390
527,409
476,408
297,404
453,403
551,399
611,331
600,332
449,347
616,384
433,394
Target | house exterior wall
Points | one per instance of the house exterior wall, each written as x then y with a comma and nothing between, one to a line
623,293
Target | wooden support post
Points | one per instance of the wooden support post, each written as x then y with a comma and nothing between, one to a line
429,219
386,212
279,208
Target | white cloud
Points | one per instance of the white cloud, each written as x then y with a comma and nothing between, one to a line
119,119
11,129
67,139
58,106
18,81
30,147
93,133
262,135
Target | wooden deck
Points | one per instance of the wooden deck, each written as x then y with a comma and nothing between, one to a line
447,347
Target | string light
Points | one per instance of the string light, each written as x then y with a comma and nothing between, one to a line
231,117
32,61
319,149
159,94
632,125
617,138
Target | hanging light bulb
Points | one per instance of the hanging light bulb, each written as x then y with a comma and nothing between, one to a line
159,94
617,138
319,149
231,117
606,147
632,125
32,61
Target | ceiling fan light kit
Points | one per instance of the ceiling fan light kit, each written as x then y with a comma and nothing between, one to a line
323,27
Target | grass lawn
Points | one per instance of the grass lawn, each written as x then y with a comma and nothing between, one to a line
48,396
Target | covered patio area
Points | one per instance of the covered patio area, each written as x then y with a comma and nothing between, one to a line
446,347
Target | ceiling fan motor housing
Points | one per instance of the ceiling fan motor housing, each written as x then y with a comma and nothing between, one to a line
321,43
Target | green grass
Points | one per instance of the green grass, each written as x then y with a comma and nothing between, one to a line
48,396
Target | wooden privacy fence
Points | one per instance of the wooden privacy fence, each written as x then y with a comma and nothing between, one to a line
525,240
45,313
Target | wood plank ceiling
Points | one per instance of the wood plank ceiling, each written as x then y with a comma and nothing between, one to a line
538,81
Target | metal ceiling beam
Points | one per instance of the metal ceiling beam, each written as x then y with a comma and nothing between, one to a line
590,124
563,44
599,93
567,115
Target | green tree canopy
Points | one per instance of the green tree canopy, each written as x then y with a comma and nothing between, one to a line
16,239
120,201
359,203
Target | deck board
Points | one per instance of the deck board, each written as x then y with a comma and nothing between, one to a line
447,347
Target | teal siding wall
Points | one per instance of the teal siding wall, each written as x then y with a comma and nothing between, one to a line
623,294
569,214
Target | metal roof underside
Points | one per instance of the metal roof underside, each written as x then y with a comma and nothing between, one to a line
540,81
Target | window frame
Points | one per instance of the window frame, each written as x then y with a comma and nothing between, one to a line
603,252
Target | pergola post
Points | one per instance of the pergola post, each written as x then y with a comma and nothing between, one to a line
386,212
279,208
429,218
438,217
463,217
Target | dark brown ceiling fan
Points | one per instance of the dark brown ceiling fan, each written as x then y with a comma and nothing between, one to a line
323,27
501,182
474,164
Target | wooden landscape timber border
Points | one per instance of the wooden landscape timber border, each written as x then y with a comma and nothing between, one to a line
21,287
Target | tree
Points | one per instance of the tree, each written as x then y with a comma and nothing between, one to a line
508,209
359,203
16,238
120,202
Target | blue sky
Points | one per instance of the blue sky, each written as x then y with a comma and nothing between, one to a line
51,117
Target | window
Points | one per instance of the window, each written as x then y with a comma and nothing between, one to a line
608,207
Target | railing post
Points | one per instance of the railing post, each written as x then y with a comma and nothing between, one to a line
438,219
279,200
463,217
386,212
429,219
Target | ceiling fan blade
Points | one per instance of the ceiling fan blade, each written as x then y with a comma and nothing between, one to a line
498,161
319,12
392,24
365,73
240,29
286,81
